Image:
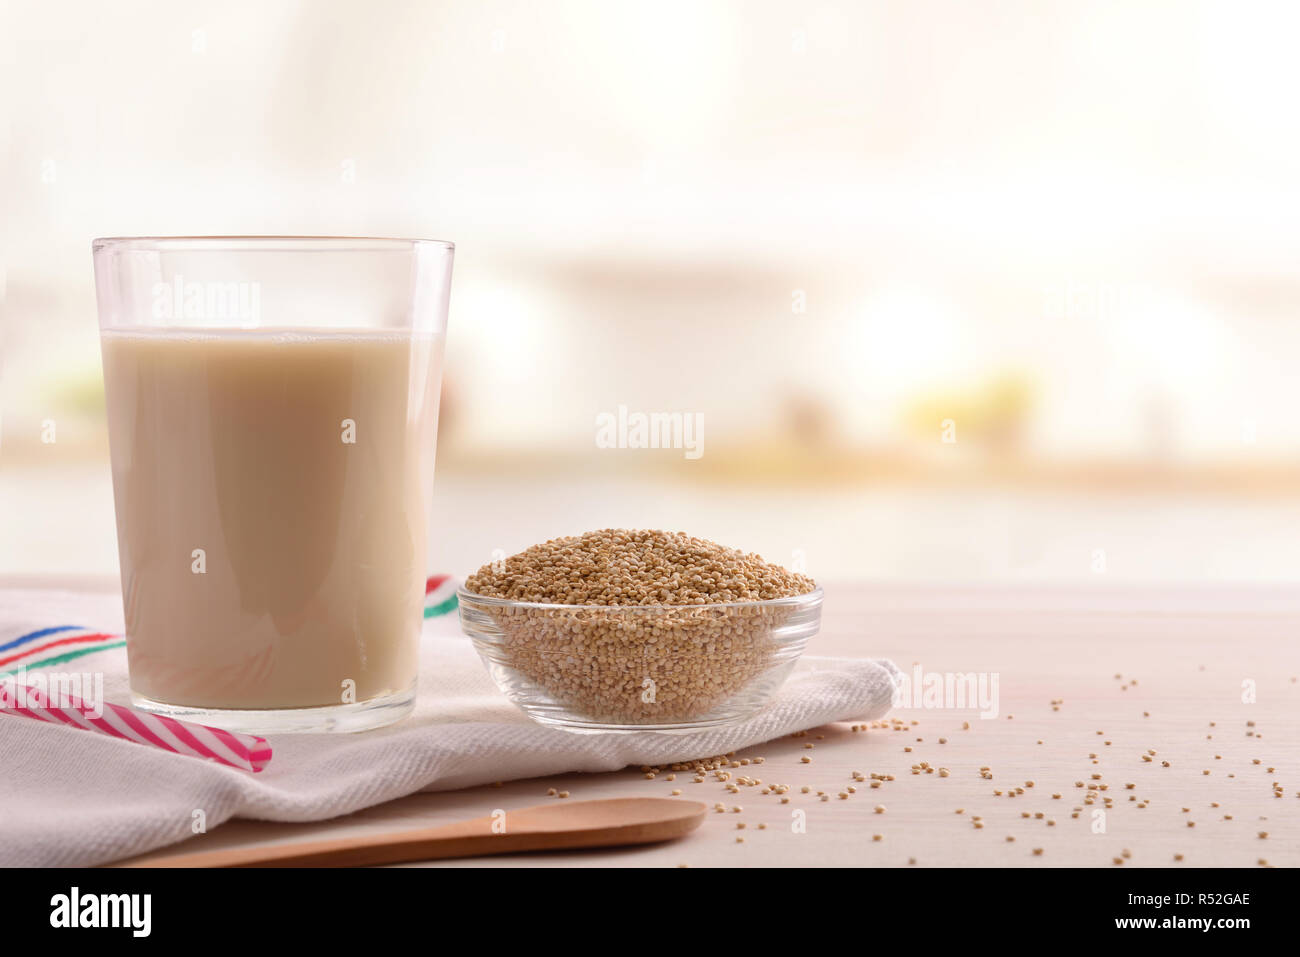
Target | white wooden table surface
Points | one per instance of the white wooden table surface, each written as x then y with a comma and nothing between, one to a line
1193,653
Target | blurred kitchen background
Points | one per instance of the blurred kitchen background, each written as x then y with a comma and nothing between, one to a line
978,291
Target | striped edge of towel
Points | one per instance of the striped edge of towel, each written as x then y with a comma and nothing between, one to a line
53,646
439,596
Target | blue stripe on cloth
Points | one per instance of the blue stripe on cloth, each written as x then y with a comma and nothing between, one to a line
32,636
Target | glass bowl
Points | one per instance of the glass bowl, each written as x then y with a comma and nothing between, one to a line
639,667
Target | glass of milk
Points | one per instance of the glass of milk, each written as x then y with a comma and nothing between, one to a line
272,411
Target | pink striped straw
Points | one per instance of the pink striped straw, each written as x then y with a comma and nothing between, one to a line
247,752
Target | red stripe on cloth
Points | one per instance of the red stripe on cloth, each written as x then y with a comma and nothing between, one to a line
434,582
80,639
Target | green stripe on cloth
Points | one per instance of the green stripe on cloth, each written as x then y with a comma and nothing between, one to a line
60,659
441,608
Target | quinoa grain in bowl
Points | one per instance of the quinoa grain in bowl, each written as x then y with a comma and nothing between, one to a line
620,629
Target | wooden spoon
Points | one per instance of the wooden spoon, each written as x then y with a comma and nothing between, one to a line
546,827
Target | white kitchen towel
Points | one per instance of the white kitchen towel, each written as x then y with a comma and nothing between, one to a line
71,797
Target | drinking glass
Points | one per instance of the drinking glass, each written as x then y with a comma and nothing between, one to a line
272,410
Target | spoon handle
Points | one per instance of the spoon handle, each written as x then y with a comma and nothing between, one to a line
610,822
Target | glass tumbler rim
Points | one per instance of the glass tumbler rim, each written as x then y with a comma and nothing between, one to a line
268,242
